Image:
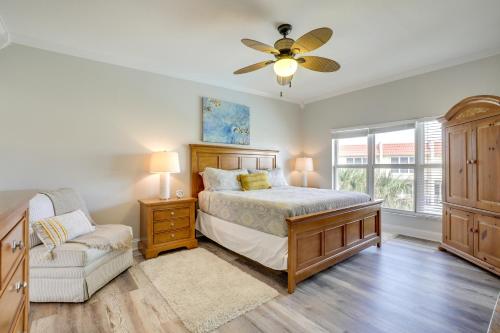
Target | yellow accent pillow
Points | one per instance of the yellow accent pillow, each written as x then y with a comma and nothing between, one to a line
254,181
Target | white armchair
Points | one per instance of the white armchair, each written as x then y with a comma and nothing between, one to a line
76,272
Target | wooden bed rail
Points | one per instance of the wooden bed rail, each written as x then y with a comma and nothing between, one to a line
319,240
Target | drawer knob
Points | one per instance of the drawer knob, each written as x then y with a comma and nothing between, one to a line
172,224
172,235
20,285
172,213
17,244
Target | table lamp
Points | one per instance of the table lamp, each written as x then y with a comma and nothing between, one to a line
164,163
304,164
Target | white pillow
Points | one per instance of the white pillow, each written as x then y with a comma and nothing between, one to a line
57,230
276,177
218,179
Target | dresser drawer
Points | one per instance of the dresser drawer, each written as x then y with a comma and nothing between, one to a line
171,224
19,328
11,249
12,298
164,237
169,213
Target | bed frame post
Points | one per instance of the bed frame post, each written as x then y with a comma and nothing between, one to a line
292,258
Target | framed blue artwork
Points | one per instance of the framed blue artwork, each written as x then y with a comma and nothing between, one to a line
225,122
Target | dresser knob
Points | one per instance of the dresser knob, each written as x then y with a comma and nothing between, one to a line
172,213
172,224
20,285
17,244
172,235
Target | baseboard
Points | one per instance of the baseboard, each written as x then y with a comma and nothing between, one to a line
412,232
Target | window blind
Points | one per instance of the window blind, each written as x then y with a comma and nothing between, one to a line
429,182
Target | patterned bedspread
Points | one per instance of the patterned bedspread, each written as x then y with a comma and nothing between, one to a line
266,210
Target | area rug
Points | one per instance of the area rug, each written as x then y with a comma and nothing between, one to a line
204,290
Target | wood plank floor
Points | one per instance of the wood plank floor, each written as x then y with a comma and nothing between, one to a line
406,286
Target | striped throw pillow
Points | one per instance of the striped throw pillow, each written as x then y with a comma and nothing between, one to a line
54,231
256,181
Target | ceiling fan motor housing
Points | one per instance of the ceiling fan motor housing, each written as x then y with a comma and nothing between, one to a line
284,45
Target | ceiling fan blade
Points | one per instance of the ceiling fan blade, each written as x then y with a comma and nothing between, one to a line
253,67
312,40
318,64
259,46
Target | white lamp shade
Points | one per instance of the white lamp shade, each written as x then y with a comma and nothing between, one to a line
304,164
164,161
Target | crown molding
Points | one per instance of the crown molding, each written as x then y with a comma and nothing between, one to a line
132,63
141,65
408,74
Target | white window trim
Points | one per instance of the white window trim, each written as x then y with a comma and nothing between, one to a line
418,167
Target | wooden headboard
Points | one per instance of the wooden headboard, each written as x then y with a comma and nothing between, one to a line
227,158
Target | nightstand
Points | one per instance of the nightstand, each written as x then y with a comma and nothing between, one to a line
166,225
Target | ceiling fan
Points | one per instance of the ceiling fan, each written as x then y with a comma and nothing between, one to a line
288,54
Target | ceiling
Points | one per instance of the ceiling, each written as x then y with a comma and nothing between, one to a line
374,41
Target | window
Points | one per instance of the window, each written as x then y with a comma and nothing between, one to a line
393,171
352,159
401,164
402,160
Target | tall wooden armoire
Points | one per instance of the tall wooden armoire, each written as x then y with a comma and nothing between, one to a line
471,203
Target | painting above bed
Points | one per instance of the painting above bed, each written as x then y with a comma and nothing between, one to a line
225,122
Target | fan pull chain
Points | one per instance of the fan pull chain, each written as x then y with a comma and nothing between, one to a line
289,86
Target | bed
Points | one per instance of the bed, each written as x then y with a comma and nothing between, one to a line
300,230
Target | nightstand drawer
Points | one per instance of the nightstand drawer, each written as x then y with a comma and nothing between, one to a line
171,224
169,213
164,237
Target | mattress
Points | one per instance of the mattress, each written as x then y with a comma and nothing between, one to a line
267,210
266,249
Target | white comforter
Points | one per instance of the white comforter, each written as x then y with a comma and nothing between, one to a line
266,210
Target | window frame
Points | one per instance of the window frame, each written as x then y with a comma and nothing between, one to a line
418,166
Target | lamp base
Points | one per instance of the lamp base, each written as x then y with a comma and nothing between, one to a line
304,178
164,186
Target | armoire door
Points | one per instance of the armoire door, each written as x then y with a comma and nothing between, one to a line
458,140
486,161
459,230
486,239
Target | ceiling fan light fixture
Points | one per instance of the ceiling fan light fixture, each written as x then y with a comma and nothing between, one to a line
285,67
284,80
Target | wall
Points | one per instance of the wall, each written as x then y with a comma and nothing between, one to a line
71,122
426,95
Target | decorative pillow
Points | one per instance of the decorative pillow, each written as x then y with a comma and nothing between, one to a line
276,177
57,230
33,238
255,181
218,179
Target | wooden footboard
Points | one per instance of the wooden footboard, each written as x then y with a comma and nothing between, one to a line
320,240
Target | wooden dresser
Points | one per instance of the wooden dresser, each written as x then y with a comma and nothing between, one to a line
166,225
14,299
471,217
